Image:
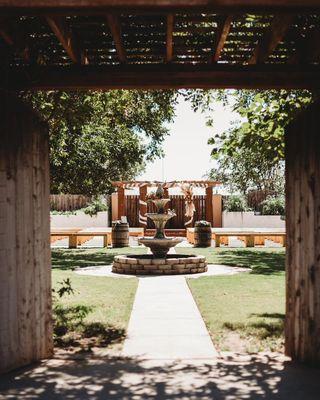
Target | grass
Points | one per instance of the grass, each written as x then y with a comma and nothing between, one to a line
98,311
243,312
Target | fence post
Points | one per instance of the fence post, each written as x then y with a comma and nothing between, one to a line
217,210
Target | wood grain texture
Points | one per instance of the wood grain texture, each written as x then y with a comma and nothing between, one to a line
302,328
25,295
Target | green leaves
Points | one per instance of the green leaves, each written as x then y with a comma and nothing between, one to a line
250,155
99,137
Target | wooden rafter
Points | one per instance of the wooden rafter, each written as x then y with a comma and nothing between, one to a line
115,28
307,49
16,40
164,76
223,30
312,47
5,33
169,42
170,184
65,37
270,40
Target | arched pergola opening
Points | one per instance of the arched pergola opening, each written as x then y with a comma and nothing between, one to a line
87,44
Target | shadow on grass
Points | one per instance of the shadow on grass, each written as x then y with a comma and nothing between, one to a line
264,262
66,259
261,262
261,329
73,332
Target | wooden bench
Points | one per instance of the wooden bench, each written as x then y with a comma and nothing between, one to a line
78,236
249,237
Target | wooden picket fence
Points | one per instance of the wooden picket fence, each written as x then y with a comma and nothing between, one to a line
68,202
177,203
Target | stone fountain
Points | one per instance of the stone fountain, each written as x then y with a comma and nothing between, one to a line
160,244
160,262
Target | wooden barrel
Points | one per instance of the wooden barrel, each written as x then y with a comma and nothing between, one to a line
120,234
202,235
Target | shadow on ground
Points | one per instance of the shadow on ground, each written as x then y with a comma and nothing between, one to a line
269,325
262,261
233,378
65,259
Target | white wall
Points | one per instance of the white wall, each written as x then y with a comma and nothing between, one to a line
79,220
249,220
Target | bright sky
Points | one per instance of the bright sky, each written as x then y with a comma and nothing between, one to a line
187,154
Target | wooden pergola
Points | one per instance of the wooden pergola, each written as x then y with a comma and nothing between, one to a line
116,44
148,44
213,203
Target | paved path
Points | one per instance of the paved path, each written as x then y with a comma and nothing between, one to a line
165,322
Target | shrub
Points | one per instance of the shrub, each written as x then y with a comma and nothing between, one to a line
236,202
273,206
94,207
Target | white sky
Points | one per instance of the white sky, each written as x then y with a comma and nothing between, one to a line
187,154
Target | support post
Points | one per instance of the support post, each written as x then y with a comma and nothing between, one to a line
25,269
209,213
217,210
121,203
142,206
302,324
114,207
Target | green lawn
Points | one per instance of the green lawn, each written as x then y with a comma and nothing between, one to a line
98,311
243,312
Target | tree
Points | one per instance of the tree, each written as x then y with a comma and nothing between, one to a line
250,155
99,137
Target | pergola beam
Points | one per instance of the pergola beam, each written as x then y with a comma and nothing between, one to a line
169,42
270,40
74,7
115,28
163,77
65,37
221,36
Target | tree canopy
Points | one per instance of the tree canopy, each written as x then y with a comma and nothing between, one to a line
98,137
250,154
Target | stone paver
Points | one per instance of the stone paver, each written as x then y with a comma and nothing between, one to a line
213,269
165,322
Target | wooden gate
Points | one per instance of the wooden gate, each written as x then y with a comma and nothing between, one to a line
177,203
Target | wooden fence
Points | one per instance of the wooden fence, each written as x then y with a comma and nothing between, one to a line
177,203
68,202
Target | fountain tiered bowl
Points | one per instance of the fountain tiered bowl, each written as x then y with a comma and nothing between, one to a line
159,262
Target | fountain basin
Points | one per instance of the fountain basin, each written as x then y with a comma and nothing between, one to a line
159,247
146,264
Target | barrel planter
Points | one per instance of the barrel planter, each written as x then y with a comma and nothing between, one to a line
202,234
120,234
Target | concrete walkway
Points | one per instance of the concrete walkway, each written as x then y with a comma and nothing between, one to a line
165,322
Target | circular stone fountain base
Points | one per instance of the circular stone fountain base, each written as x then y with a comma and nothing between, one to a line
173,264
